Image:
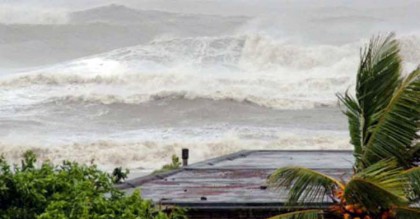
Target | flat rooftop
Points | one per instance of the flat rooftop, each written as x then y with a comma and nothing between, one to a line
236,180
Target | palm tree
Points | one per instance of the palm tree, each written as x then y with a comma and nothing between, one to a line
384,121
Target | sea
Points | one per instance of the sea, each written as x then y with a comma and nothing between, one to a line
131,83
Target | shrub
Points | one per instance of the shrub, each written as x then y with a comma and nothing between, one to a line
174,165
69,190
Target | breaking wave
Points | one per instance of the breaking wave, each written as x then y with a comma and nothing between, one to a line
250,68
151,155
253,69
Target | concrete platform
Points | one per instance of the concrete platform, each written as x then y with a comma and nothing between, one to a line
236,181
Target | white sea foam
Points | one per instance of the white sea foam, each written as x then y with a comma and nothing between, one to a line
253,68
256,69
154,153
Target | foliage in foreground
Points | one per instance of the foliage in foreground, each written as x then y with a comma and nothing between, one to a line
383,190
384,115
175,164
68,190
384,119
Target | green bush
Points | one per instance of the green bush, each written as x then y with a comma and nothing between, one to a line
174,165
68,190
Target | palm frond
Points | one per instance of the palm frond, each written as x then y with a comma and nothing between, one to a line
396,126
382,184
304,185
356,122
377,78
407,213
413,175
304,214
378,75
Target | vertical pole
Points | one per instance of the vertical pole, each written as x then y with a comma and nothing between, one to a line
185,155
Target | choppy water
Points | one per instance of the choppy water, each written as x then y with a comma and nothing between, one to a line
130,86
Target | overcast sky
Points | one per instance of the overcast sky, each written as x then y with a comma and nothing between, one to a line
401,13
213,6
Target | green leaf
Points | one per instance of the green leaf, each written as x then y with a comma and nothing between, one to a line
380,185
175,164
384,115
377,76
304,185
356,123
396,126
69,191
304,214
413,175
407,213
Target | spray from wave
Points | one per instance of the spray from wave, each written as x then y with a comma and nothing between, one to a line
150,155
255,69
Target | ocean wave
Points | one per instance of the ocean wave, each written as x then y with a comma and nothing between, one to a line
274,92
279,103
251,68
255,51
153,154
